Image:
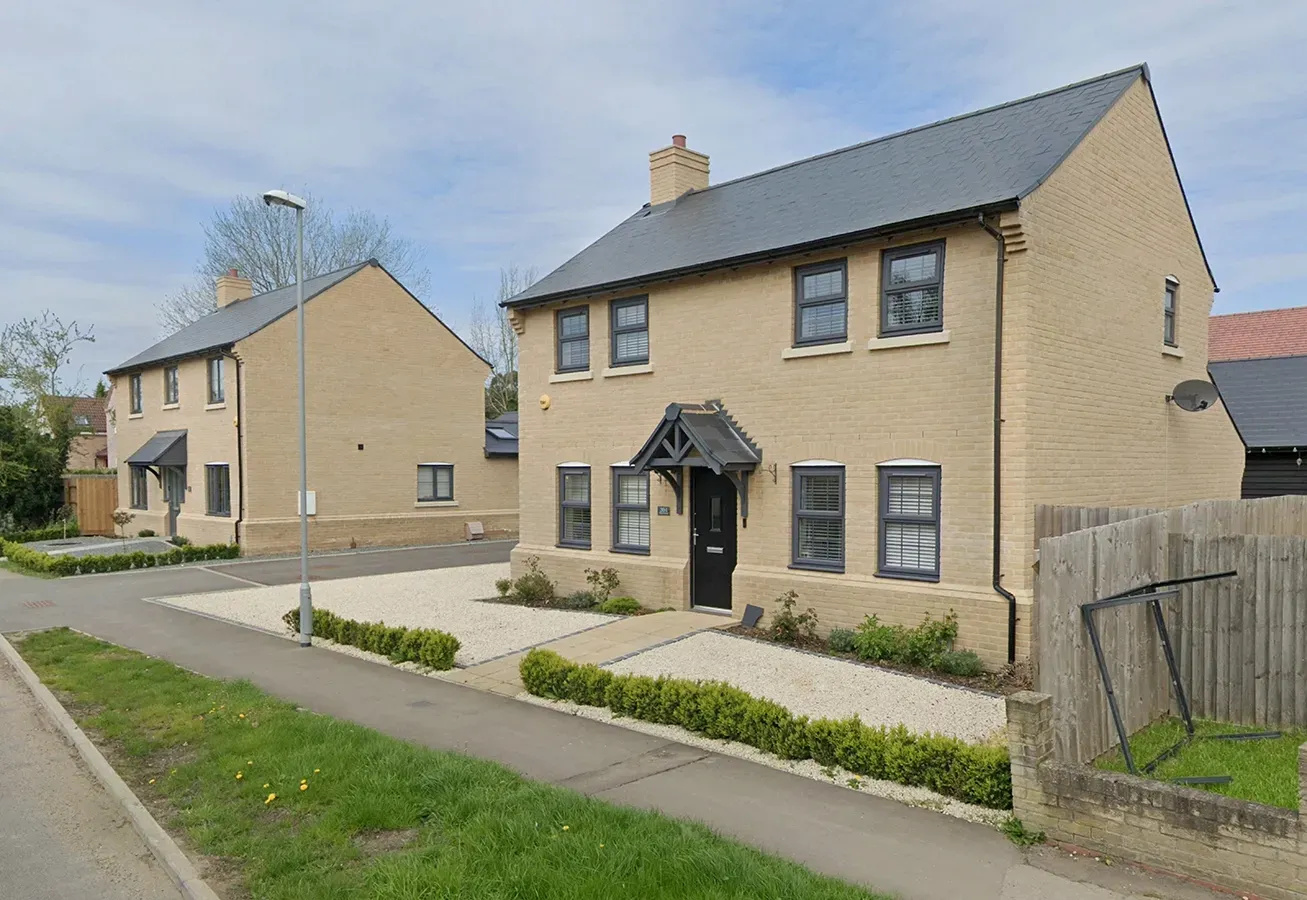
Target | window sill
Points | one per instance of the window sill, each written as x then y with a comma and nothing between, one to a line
629,551
908,340
423,504
562,546
829,570
908,576
222,405
214,515
171,406
817,350
618,371
558,377
1172,351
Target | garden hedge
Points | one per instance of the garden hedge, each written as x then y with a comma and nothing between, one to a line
974,774
36,561
49,533
425,646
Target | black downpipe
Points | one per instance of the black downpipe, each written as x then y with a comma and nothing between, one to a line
240,455
998,443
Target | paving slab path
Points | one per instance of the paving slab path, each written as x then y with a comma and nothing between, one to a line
912,853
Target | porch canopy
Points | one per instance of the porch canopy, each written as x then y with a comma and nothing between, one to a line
166,448
700,435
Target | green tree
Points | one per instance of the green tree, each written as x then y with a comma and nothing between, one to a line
101,389
33,454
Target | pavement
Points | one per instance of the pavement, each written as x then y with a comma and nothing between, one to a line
912,853
61,835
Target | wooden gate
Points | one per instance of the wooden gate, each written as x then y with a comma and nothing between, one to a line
93,499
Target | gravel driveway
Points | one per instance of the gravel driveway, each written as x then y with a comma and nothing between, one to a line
433,598
825,687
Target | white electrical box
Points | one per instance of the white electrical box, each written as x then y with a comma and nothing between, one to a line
312,505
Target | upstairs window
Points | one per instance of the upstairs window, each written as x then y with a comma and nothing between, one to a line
574,507
135,403
435,482
630,331
1168,312
819,518
909,522
170,390
573,326
217,393
821,303
912,289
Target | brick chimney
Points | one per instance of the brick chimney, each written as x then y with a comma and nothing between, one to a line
674,170
231,287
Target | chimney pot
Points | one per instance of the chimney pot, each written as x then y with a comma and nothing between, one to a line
675,170
233,273
678,140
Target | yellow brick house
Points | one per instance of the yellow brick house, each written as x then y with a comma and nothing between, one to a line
854,376
207,422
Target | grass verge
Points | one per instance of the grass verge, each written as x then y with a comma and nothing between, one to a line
1264,771
376,817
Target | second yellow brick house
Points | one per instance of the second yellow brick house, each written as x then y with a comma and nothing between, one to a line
398,448
855,375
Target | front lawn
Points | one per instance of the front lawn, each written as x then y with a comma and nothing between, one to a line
1264,771
306,806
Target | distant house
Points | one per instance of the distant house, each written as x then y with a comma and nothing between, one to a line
1258,361
501,436
90,444
207,422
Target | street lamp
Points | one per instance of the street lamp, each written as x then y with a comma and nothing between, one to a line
282,198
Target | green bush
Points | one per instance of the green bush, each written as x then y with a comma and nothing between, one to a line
145,532
787,626
49,533
960,662
602,584
531,588
920,646
179,540
841,640
620,606
974,774
36,561
576,600
425,646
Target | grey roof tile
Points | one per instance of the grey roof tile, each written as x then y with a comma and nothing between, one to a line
235,321
1266,399
501,435
980,160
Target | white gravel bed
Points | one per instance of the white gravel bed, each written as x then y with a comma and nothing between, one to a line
911,796
825,687
434,598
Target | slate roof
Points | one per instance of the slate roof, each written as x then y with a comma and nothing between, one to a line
235,321
719,439
165,448
985,160
496,443
1258,335
1266,399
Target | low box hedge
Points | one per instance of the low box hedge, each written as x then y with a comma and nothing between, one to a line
946,765
425,646
49,533
36,561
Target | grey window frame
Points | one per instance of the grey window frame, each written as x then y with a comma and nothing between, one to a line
888,256
222,508
135,400
614,330
620,472
830,265
1170,292
559,340
435,483
886,473
133,473
171,386
799,472
220,394
565,504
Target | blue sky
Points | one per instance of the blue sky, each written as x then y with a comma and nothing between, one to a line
516,133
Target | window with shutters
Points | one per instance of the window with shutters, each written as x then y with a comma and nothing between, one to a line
630,511
819,518
574,508
821,303
435,482
629,323
912,289
217,490
573,328
909,522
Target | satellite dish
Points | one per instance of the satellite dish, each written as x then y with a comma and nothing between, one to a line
1194,396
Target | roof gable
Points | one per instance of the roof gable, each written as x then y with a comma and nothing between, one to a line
986,160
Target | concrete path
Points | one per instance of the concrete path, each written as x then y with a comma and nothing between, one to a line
601,644
61,835
915,854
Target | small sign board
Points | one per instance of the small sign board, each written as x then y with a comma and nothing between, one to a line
664,510
752,615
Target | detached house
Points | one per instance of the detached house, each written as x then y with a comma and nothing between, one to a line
207,422
855,375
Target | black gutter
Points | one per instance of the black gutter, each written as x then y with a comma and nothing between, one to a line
240,454
772,253
998,441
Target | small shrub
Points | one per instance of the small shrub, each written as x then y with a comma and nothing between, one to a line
602,583
575,600
532,587
504,586
49,533
121,519
179,540
841,640
425,646
788,627
920,646
1018,834
145,532
36,561
960,662
544,674
620,606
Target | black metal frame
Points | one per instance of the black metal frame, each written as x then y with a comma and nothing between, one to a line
1153,594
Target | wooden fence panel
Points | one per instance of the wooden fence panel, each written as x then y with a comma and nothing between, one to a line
93,498
1284,516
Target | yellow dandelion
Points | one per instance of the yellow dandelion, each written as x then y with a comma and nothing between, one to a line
271,797
173,772
316,771
601,846
304,787
151,781
250,763
266,785
240,775
242,715
567,827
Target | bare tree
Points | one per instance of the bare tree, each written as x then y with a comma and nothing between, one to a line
491,335
259,240
34,354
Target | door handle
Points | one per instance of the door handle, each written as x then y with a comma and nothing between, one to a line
694,536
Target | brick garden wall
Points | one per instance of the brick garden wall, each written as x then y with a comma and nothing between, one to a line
1233,843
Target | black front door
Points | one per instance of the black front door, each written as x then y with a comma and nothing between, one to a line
712,538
